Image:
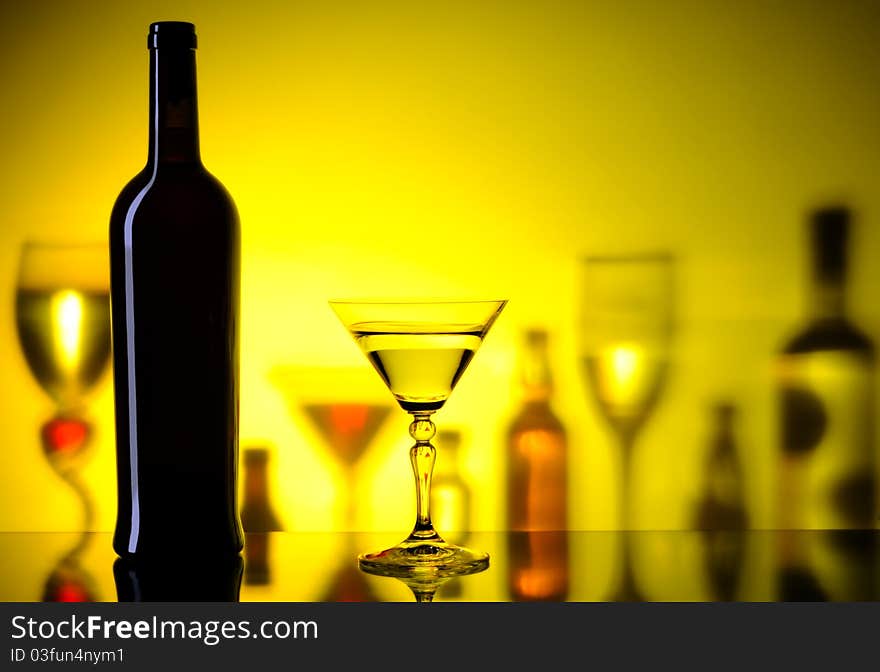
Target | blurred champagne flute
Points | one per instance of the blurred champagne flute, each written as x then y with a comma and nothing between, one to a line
625,335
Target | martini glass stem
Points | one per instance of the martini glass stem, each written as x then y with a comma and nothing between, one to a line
422,457
350,499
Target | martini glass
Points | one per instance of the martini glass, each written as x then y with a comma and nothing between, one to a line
346,406
420,350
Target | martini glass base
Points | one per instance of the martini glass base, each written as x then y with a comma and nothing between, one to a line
424,559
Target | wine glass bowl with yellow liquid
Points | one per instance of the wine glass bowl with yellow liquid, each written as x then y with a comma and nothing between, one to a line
62,310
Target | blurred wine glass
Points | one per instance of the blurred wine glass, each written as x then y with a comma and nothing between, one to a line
625,337
62,311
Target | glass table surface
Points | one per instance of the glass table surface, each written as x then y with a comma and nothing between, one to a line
667,566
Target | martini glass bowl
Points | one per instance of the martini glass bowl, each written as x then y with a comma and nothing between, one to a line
420,349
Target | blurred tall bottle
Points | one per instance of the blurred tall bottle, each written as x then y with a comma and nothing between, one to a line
828,463
174,257
257,516
450,494
721,513
536,484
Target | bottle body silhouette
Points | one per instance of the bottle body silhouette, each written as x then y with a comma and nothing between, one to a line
537,485
174,251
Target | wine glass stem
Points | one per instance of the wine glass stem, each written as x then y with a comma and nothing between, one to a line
628,590
422,456
627,443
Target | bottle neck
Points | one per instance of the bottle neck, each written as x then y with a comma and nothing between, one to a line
537,382
174,124
828,300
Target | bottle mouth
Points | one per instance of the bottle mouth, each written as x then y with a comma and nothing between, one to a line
177,34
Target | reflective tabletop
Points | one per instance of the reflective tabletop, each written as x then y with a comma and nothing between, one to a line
665,566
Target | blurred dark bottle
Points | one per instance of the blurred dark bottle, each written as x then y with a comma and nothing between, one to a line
178,578
174,248
536,484
828,460
450,494
721,514
257,516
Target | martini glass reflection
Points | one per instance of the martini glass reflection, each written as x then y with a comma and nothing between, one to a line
420,350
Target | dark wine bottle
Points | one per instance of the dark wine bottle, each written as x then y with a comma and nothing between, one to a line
174,250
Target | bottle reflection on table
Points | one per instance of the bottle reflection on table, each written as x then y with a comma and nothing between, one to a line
721,514
348,583
847,563
215,578
537,484
257,516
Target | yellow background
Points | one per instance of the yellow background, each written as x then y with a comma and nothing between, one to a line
461,148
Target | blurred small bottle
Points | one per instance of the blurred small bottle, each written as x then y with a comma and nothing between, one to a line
257,514
537,483
721,513
450,494
723,504
828,461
